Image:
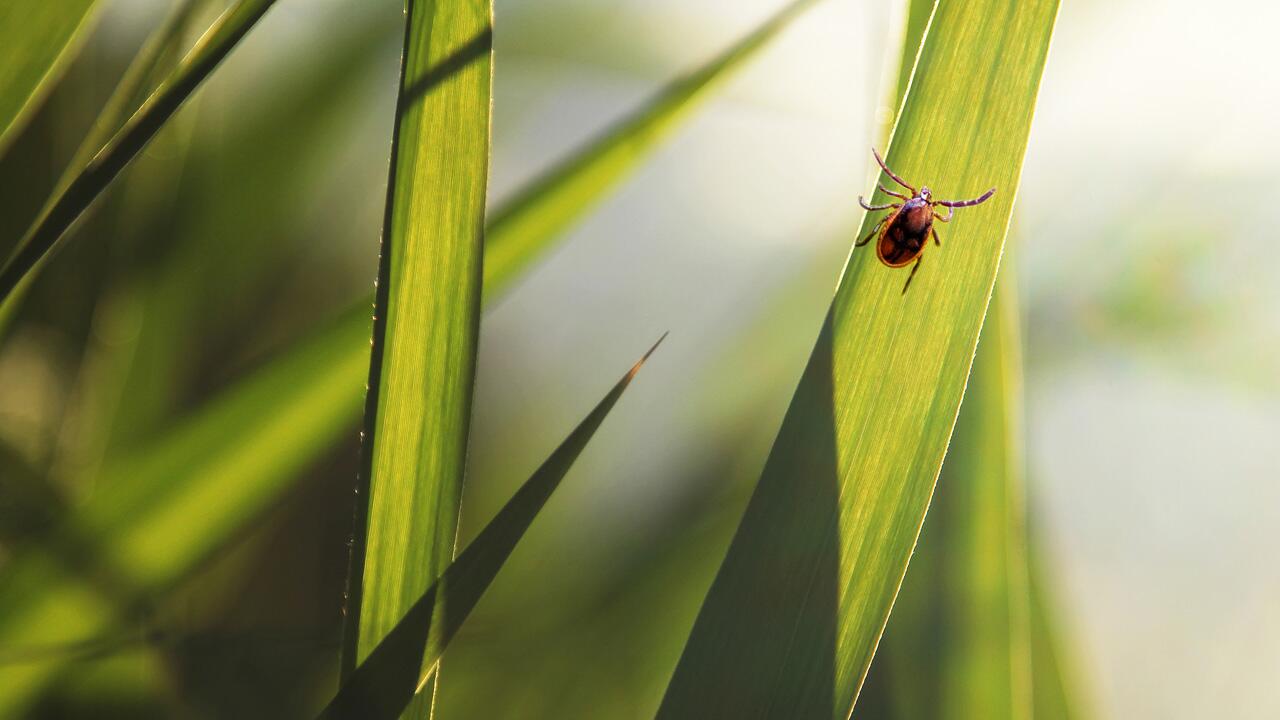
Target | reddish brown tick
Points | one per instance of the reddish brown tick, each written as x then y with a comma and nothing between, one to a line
905,231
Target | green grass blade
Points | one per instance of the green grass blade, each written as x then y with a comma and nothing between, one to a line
525,227
386,681
79,194
36,41
427,314
792,620
958,643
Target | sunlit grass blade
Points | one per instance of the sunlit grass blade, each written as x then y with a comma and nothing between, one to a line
525,226
958,642
793,618
386,681
36,40
64,209
177,502
426,326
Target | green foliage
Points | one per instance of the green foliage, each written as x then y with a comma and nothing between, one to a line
36,37
796,611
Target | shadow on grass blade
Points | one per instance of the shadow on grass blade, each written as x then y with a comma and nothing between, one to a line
384,684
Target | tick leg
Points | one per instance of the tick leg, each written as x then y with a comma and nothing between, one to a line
936,241
887,191
873,208
966,203
873,232
950,211
891,173
914,268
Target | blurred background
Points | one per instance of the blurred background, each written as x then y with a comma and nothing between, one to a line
1151,314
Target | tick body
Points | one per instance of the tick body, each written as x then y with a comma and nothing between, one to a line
904,232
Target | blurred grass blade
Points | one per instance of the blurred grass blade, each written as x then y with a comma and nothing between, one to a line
525,226
179,501
793,618
36,40
79,194
385,682
958,643
129,92
1057,690
426,326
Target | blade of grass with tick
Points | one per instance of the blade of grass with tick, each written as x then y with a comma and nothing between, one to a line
523,228
388,678
64,209
37,39
426,325
793,618
958,643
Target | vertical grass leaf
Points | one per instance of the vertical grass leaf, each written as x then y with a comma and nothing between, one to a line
427,314
794,615
37,38
382,685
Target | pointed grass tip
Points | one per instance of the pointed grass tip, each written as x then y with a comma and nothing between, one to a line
640,363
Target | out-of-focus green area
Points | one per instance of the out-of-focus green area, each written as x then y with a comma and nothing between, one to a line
253,221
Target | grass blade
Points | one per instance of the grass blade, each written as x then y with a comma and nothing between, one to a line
1057,690
525,227
389,677
794,615
427,314
36,41
79,194
958,643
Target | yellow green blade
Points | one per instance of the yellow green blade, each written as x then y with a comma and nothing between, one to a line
792,620
958,645
36,40
387,680
427,316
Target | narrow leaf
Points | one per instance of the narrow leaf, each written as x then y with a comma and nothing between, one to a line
794,615
426,325
36,41
79,194
393,672
525,227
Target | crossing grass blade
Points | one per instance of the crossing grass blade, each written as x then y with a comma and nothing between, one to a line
387,680
426,326
525,227
37,38
68,205
958,645
793,618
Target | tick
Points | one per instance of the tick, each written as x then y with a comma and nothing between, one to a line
905,231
